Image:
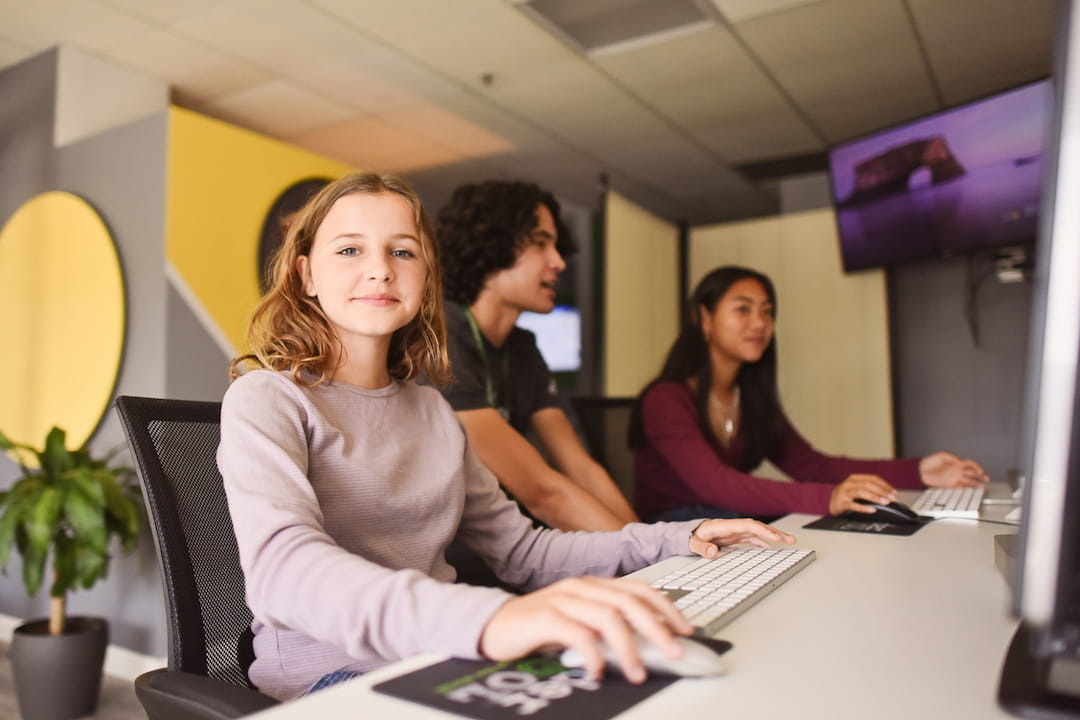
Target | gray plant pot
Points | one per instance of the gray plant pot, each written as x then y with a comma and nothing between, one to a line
59,677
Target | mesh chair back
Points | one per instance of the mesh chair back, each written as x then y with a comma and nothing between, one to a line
174,443
605,422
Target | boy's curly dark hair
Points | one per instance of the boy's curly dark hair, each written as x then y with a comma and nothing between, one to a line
482,229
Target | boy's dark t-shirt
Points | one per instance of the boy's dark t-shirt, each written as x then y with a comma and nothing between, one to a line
519,377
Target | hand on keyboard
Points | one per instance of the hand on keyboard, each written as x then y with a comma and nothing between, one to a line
944,470
710,535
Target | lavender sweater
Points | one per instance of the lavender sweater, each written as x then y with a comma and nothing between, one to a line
344,500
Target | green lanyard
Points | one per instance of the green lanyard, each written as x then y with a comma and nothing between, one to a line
489,384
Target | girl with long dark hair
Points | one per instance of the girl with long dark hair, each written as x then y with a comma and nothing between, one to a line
713,415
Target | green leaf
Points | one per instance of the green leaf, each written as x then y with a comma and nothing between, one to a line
9,521
90,566
124,506
55,459
40,517
84,505
33,567
10,445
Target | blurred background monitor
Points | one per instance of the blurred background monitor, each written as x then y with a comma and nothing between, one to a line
558,335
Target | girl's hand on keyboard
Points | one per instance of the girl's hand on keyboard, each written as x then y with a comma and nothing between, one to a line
943,469
713,534
581,613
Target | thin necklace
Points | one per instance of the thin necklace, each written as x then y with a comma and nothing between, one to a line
726,413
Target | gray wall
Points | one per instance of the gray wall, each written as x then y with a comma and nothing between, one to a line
953,393
121,173
948,392
198,369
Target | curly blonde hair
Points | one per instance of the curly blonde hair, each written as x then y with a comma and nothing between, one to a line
289,332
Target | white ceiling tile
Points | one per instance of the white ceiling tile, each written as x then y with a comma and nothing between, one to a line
160,11
708,86
524,136
374,79
760,137
372,142
448,129
1016,62
86,24
739,10
12,52
855,104
851,65
461,40
398,20
574,102
665,159
957,34
277,108
273,34
195,71
935,18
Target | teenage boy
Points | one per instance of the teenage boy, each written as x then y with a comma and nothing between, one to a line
502,245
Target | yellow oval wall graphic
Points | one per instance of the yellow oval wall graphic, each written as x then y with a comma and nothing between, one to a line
61,319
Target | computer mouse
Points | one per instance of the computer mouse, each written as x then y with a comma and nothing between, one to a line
701,657
894,512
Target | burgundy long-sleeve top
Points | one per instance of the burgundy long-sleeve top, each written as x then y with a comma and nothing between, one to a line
678,467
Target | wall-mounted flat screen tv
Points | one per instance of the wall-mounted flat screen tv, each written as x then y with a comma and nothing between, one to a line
961,180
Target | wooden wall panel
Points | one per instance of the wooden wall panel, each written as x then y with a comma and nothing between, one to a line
832,328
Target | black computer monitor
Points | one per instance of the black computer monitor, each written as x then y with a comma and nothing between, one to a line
1041,674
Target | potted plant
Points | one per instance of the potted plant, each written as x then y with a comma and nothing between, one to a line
69,507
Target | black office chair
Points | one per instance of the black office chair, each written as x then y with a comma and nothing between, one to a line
174,443
605,423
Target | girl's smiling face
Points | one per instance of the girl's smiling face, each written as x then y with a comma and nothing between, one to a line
740,328
366,267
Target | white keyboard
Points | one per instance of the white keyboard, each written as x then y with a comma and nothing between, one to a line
712,593
961,502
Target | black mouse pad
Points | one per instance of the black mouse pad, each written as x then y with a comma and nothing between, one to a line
877,527
534,687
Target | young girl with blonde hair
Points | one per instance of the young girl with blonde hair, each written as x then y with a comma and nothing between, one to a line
347,480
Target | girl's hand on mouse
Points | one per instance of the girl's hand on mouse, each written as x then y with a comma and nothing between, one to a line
713,534
943,469
867,487
581,613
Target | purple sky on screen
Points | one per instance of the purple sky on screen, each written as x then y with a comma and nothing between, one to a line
988,131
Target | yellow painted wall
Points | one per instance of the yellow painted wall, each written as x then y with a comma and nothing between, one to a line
222,181
832,329
641,287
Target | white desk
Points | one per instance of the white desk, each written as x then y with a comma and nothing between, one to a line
877,626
